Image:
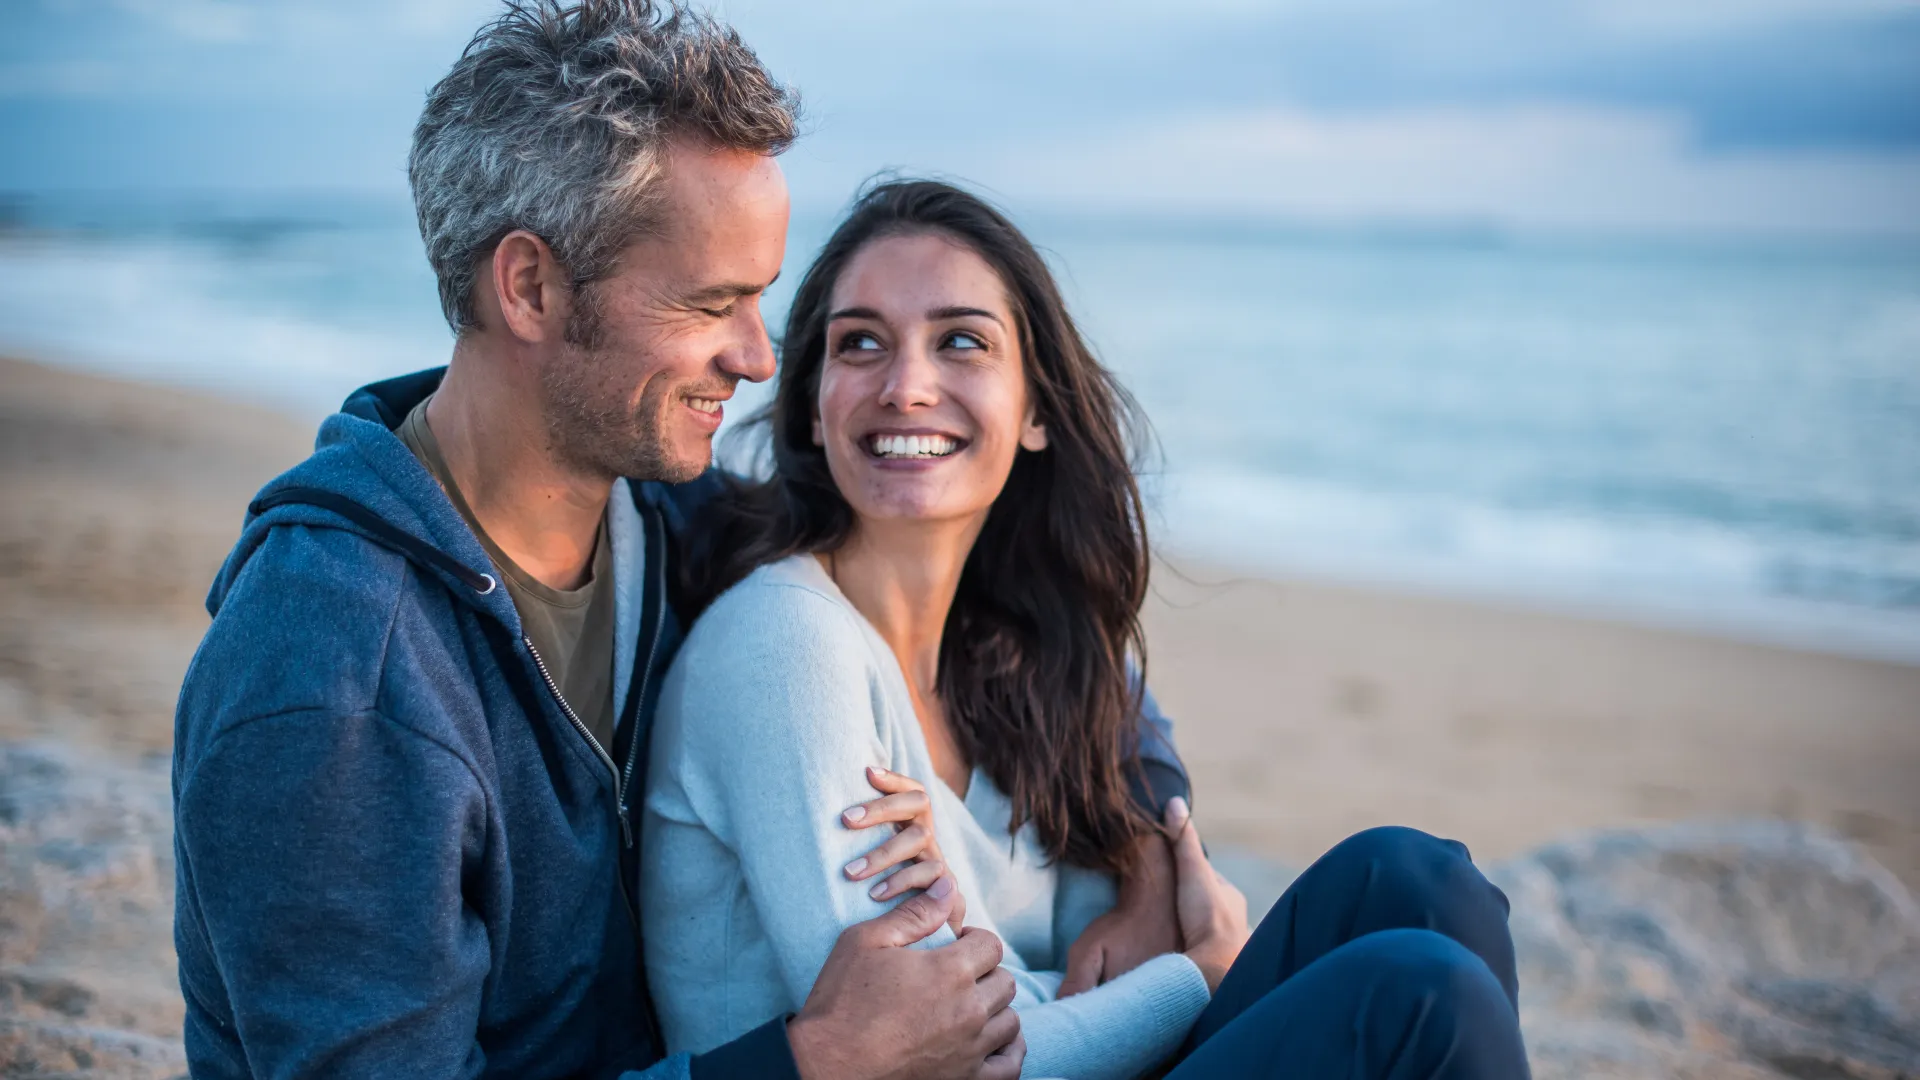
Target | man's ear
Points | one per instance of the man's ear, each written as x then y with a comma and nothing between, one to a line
529,287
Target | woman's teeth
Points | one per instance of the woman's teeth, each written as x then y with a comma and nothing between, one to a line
913,446
705,405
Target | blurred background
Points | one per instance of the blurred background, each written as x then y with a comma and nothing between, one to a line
1610,303
1536,384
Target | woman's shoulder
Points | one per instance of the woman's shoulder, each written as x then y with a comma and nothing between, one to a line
776,650
786,612
792,592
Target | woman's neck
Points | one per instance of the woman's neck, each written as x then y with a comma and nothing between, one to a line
902,575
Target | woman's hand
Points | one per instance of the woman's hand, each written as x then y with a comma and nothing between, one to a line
906,806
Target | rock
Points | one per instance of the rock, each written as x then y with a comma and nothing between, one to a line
1762,949
1742,951
87,982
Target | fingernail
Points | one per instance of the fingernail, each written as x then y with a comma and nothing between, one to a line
1177,810
857,865
940,888
878,888
857,813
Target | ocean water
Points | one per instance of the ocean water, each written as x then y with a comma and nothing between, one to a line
1720,435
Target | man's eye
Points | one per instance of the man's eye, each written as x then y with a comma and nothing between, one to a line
961,340
719,313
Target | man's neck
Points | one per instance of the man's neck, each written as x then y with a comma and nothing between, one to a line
541,514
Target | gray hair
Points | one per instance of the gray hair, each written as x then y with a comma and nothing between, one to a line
556,120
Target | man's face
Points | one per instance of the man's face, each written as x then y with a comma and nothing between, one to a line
637,389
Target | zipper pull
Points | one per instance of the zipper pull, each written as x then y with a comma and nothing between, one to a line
626,827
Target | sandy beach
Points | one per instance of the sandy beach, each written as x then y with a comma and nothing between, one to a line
1305,711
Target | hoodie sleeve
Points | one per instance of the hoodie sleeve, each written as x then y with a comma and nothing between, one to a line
1162,774
324,854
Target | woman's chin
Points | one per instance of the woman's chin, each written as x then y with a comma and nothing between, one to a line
898,506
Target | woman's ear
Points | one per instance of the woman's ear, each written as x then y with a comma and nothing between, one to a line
818,439
1033,435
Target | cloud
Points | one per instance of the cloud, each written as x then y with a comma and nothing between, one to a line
1665,17
1529,167
197,20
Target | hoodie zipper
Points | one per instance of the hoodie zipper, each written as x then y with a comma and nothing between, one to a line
619,795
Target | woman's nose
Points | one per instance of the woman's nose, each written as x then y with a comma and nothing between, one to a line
913,380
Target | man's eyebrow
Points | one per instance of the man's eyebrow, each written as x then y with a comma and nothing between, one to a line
728,291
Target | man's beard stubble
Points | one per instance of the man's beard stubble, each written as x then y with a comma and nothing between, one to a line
592,430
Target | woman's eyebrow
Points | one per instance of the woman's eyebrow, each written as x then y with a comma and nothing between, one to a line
935,315
959,312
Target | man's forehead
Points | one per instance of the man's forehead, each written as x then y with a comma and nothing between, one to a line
720,229
701,180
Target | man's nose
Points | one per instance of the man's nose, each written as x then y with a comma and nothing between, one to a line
750,358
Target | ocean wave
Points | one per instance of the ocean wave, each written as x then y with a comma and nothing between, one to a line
182,314
1803,589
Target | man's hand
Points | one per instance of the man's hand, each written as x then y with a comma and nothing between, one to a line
1142,925
1213,914
882,1011
906,806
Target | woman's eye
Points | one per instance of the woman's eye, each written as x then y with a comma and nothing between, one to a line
858,341
961,340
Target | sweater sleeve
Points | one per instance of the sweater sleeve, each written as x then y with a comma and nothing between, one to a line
779,724
1117,1029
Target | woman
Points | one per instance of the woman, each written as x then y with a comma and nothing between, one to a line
942,579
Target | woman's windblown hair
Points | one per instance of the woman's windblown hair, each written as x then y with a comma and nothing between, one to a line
1043,657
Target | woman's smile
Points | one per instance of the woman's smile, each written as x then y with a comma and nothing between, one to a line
913,448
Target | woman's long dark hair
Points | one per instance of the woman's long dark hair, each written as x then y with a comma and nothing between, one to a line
1042,656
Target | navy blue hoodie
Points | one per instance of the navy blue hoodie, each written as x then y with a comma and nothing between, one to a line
397,853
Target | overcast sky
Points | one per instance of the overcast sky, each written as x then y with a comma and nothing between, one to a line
1769,115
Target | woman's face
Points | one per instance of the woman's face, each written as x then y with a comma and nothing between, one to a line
923,394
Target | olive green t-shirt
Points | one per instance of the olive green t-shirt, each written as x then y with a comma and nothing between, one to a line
572,630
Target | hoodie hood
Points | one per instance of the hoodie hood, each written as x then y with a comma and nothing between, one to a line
363,479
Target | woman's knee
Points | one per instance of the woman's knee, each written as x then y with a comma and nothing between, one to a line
1403,1002
1424,962
1408,865
1432,989
1396,846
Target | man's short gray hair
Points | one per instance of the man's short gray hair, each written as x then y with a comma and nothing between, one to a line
556,120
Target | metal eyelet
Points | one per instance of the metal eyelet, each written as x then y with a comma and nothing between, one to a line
488,578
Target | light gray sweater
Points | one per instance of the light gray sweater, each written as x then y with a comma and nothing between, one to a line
781,695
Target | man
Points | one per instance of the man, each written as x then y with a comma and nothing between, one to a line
406,751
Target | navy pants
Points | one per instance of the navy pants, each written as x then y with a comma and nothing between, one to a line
1389,959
